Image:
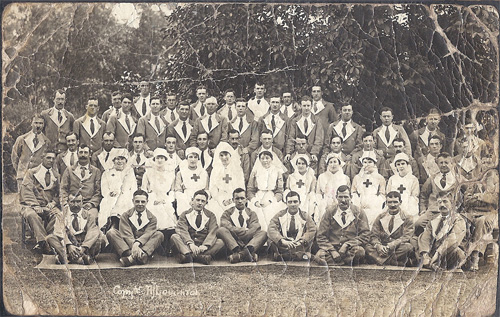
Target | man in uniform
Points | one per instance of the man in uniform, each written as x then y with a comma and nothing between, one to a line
58,122
212,123
153,126
181,128
199,109
258,104
68,158
386,134
115,108
123,124
89,128
141,103
277,123
246,126
350,132
322,109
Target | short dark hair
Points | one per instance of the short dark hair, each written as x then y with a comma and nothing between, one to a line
201,132
394,194
59,91
155,97
141,192
238,190
306,98
384,109
229,90
266,131
128,96
116,93
437,137
93,97
336,136
443,155
292,194
184,103
343,188
260,83
108,133
200,192
399,140
240,100
233,131
71,134
201,87
49,149
38,116
170,135
366,134
138,135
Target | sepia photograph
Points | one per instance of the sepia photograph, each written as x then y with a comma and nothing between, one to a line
250,159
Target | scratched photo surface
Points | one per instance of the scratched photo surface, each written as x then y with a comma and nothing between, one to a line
249,159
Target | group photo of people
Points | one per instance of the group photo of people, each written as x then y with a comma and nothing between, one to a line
278,176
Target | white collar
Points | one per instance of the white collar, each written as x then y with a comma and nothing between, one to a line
349,217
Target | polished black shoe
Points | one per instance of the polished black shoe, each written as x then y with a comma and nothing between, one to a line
204,259
185,258
235,258
127,261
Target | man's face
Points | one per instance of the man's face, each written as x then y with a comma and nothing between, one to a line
275,105
71,142
171,102
138,144
155,106
48,160
267,140
287,98
234,140
386,117
92,108
75,204
144,87
259,90
399,147
401,166
466,149
293,203
240,200
344,199
368,143
316,93
37,125
59,100
116,101
444,205
126,105
170,144
107,142
202,141
193,160
301,145
433,121
229,98
199,202
140,202
346,113
393,204
306,108
241,108
183,112
434,146
211,106
444,164
202,95
83,155
336,145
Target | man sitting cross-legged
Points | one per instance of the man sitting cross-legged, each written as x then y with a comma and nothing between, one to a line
137,237
240,230
196,233
291,231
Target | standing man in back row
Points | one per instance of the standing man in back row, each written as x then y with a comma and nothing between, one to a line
141,103
258,104
58,122
386,134
322,109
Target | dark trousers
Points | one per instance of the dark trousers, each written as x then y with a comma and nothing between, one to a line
296,253
353,255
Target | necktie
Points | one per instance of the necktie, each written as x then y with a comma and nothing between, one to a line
258,101
59,116
387,134
306,125
230,114
344,131
202,109
391,224
127,121
203,159
241,219
35,140
240,127
157,124
172,115
75,223
72,159
440,225
117,112
107,157
429,138
184,129
139,220
198,219
144,108
315,107
92,126
343,215
443,180
138,159
47,178
292,228
273,123
286,111
209,123
82,173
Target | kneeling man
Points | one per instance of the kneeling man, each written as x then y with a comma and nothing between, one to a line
343,232
391,235
196,233
240,230
137,237
291,231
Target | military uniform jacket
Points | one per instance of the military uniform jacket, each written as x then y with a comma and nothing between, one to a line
190,233
402,231
34,191
54,130
395,131
24,153
131,231
314,134
217,133
118,126
82,129
230,220
249,133
280,223
352,141
175,128
280,131
154,137
448,238
89,186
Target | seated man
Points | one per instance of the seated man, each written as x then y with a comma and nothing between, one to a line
291,231
137,238
240,230
103,158
391,235
82,241
68,158
343,232
196,233
438,245
39,198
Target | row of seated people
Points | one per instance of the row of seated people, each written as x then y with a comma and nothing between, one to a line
171,187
